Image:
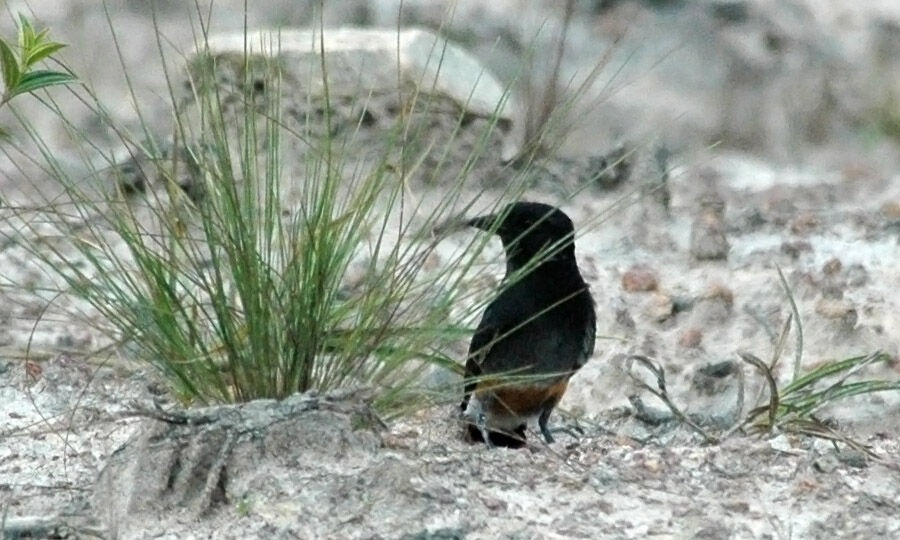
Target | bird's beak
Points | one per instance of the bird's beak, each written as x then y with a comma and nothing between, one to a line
450,226
485,223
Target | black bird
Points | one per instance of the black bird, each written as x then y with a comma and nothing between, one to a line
536,334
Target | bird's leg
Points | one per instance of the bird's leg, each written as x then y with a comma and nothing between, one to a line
475,416
542,423
481,424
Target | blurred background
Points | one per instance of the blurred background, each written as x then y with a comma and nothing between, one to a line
792,82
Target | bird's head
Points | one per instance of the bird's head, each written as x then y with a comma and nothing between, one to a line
528,229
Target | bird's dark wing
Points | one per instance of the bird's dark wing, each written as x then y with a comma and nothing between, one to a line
485,336
590,336
509,339
505,340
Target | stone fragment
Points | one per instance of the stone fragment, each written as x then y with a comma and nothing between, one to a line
661,307
841,312
708,241
691,338
639,279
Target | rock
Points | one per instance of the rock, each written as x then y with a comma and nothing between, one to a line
720,293
748,220
793,248
837,278
804,224
709,379
782,443
372,62
649,182
891,210
826,463
714,306
379,80
853,458
661,307
833,309
831,284
368,59
191,462
624,319
856,275
610,170
439,534
842,312
649,415
691,338
150,166
832,289
779,209
639,279
715,389
77,340
683,303
708,240
832,266
640,165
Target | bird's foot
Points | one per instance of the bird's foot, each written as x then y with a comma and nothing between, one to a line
572,430
481,424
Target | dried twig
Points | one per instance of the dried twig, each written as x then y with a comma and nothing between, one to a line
169,417
663,394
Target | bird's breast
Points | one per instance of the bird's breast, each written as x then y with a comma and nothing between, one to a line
508,404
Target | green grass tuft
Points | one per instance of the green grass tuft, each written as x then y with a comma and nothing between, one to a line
239,288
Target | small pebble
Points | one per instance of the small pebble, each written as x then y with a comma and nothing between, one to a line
832,266
856,275
891,210
624,318
853,458
804,224
691,338
793,248
721,294
661,307
708,240
639,279
840,311
834,309
715,305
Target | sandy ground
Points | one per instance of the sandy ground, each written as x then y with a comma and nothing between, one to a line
619,478
832,226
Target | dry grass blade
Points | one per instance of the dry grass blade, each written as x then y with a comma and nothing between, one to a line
762,322
773,388
740,419
781,342
816,428
798,351
793,407
663,394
